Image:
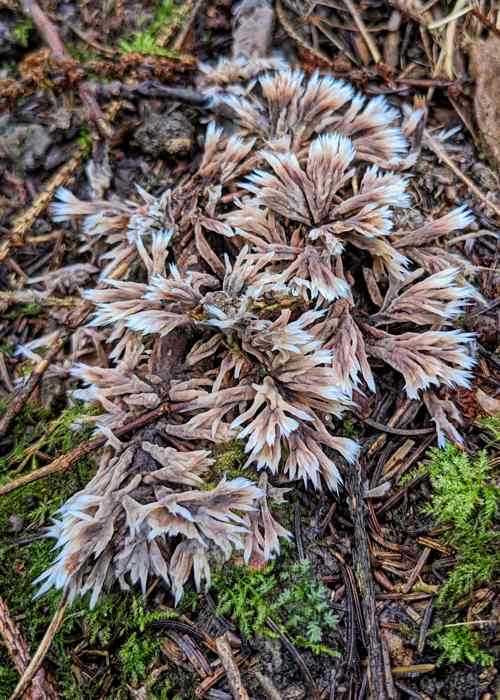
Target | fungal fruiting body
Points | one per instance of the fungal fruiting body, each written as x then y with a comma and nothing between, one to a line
304,196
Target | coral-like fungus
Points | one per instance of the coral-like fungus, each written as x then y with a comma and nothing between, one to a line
264,261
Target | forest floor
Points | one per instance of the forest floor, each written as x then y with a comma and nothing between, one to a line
402,584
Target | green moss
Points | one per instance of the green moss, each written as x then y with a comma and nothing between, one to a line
137,655
84,140
492,425
465,500
352,429
460,644
30,310
229,460
22,32
293,598
145,41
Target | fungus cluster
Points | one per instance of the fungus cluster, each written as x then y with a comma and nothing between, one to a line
284,265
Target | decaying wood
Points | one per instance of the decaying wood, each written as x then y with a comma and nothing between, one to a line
364,580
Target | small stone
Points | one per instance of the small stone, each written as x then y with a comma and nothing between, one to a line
167,134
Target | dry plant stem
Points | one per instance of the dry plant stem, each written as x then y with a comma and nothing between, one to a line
225,654
186,28
364,579
17,647
392,693
416,668
486,22
372,47
23,223
25,392
64,462
42,650
440,152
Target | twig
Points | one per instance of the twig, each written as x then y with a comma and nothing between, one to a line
450,18
424,627
395,431
186,27
64,462
300,661
417,569
42,650
440,152
30,296
372,47
298,532
267,686
26,219
18,650
152,89
18,401
233,676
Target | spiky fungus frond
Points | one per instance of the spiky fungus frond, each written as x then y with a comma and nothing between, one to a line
147,513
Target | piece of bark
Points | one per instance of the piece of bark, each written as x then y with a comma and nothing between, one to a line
485,68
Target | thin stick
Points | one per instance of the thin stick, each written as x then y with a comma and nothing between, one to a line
50,35
18,650
44,647
395,431
18,401
358,20
233,676
417,569
440,152
450,18
64,462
